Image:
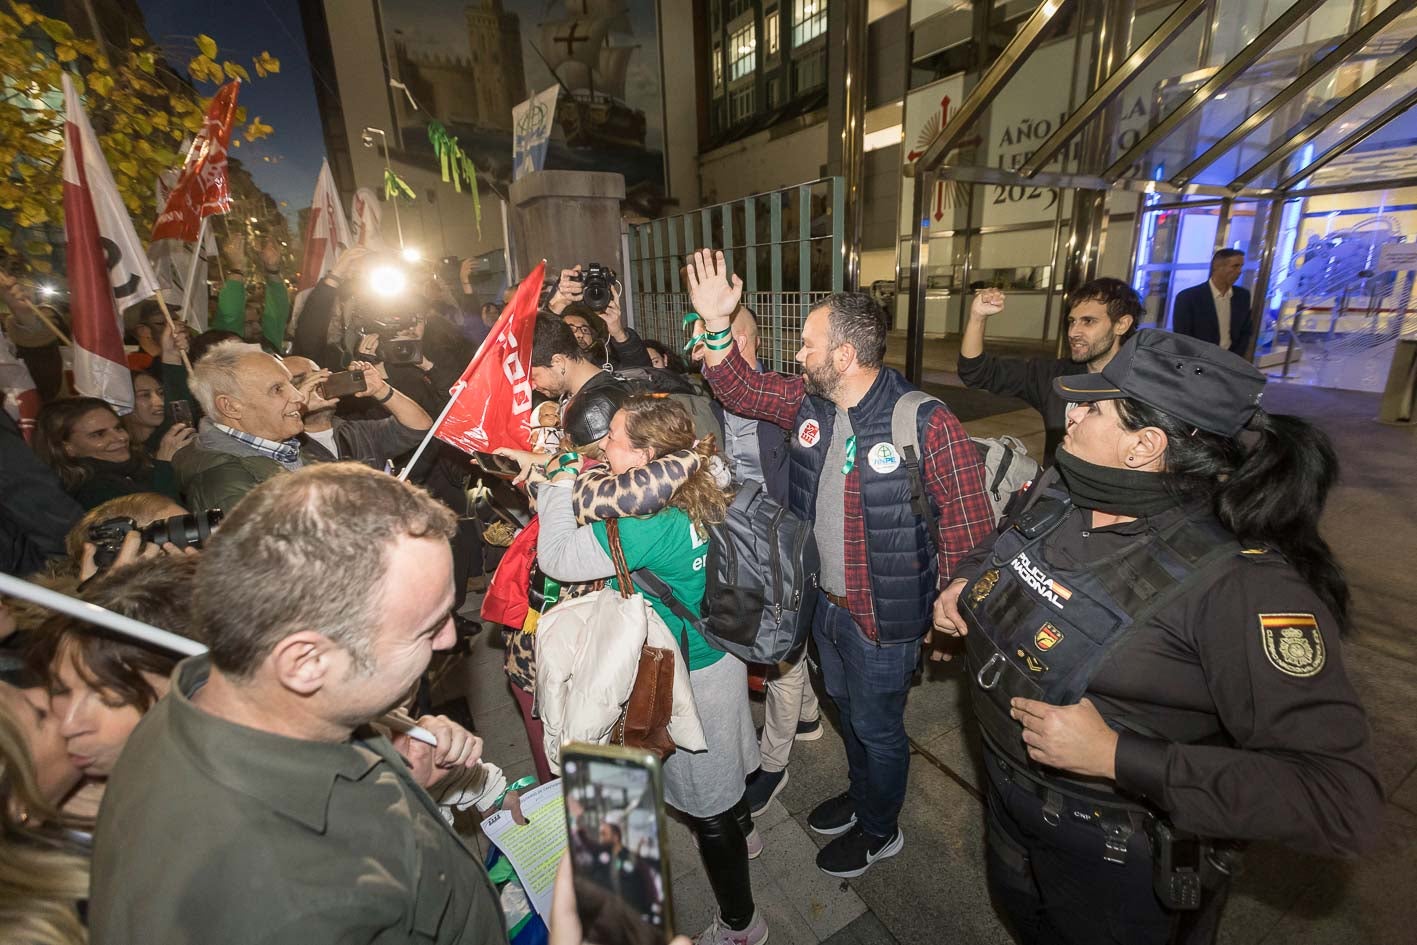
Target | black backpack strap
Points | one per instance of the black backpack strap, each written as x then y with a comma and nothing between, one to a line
905,431
655,586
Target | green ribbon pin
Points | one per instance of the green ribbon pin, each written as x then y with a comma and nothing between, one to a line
850,463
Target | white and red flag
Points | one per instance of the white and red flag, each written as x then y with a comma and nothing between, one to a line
326,235
367,219
107,267
202,188
491,405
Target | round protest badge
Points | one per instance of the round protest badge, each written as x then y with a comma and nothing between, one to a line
883,458
809,433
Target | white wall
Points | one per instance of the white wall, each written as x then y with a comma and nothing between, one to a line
759,164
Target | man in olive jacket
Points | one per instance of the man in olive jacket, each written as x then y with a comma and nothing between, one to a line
254,803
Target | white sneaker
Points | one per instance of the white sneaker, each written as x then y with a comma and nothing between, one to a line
719,934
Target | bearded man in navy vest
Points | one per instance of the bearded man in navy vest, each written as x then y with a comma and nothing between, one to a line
882,568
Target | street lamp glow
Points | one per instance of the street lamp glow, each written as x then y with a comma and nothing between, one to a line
411,254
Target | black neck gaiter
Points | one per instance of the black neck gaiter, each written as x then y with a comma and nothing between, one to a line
1114,491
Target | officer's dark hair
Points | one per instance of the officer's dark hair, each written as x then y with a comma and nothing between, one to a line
1223,254
1120,299
550,338
857,319
1268,486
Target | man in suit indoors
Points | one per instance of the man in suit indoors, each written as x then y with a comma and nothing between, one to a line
1217,311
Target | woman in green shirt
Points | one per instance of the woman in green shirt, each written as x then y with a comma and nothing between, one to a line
673,544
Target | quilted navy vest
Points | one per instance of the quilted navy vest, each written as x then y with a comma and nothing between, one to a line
900,552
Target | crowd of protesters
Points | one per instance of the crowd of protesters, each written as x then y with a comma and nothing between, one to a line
246,506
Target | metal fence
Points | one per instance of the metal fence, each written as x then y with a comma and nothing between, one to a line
786,245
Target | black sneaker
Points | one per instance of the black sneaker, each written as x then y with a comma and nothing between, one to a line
853,853
809,731
833,816
763,786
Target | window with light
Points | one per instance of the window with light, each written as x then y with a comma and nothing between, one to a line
717,69
770,32
809,20
743,51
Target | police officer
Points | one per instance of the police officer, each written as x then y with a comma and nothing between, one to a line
1153,655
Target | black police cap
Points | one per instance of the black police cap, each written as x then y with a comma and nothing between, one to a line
1195,381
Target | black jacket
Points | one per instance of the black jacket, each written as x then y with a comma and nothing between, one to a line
1030,379
35,511
1194,315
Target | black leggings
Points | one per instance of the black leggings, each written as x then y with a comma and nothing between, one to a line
723,843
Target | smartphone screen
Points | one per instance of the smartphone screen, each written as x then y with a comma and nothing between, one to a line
503,466
179,411
614,822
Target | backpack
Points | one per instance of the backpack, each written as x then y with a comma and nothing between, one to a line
1008,469
676,387
761,580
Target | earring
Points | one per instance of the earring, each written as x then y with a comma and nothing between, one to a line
1131,460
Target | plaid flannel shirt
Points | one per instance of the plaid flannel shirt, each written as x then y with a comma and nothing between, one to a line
950,467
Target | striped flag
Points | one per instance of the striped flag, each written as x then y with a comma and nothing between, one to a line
96,227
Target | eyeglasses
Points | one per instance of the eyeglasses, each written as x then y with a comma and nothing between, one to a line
582,330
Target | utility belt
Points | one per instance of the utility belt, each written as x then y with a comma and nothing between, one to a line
1183,864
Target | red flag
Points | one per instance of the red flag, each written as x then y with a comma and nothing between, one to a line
100,365
202,188
491,404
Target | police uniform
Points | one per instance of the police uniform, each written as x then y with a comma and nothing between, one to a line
1219,668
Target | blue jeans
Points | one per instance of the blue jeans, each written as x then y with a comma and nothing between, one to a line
869,684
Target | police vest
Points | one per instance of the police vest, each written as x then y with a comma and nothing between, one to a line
1041,632
899,550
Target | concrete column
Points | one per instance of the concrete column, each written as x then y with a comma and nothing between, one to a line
566,217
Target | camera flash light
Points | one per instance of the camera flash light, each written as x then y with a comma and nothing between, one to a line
410,254
387,280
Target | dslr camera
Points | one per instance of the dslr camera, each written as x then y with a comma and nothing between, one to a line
184,531
597,280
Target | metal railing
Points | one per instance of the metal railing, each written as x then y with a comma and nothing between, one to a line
786,245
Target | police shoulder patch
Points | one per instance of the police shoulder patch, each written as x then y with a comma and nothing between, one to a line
1292,643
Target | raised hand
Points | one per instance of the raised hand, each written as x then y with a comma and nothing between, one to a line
987,302
713,290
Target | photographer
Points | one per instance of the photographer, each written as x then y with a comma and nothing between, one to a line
122,525
596,290
373,442
422,356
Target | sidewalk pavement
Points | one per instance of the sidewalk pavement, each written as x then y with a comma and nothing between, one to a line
934,890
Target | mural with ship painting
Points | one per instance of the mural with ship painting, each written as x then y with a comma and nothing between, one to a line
468,63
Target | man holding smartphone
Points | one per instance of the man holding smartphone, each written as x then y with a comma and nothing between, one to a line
374,442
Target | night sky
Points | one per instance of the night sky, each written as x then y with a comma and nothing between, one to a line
285,164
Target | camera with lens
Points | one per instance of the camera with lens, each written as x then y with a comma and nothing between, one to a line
388,320
184,531
597,280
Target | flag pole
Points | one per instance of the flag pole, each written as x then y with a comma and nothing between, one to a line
153,636
452,399
172,327
187,289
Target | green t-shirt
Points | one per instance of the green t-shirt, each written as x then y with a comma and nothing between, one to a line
668,544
